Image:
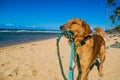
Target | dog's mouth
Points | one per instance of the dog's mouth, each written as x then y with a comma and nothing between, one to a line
63,28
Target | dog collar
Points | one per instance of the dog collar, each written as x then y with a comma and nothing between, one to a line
83,42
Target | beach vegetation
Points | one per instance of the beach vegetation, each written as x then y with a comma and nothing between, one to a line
113,13
117,27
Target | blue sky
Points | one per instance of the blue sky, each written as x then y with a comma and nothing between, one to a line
50,14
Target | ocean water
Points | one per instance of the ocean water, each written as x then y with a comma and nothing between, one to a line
12,38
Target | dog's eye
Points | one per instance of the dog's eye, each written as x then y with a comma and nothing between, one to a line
74,23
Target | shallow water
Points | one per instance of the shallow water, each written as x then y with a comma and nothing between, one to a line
11,38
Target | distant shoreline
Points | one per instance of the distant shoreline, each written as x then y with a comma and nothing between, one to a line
13,38
29,30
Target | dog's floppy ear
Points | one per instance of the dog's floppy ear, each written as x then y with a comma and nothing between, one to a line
87,30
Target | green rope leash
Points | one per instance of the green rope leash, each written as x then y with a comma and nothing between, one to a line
78,66
70,75
58,53
60,62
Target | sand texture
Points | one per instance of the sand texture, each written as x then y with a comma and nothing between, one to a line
38,60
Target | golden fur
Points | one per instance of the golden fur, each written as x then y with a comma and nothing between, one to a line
93,48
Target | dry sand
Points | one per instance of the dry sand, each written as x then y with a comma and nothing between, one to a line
38,61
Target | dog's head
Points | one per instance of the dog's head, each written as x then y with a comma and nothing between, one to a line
77,27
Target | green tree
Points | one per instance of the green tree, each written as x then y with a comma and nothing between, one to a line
111,3
117,11
112,18
109,15
117,15
113,12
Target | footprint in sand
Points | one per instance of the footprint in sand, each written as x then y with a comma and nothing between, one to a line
34,72
21,47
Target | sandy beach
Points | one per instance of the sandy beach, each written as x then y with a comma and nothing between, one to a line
38,60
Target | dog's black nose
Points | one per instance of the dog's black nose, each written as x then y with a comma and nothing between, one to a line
62,27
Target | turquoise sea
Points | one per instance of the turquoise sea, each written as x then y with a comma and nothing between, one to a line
8,38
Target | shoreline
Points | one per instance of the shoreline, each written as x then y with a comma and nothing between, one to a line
12,38
23,42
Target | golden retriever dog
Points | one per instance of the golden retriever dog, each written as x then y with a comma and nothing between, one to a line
93,48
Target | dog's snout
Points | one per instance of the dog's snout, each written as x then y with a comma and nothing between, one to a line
62,27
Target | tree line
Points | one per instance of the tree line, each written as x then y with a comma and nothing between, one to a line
113,14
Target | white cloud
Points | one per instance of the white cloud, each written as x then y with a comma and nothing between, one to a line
9,24
29,26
